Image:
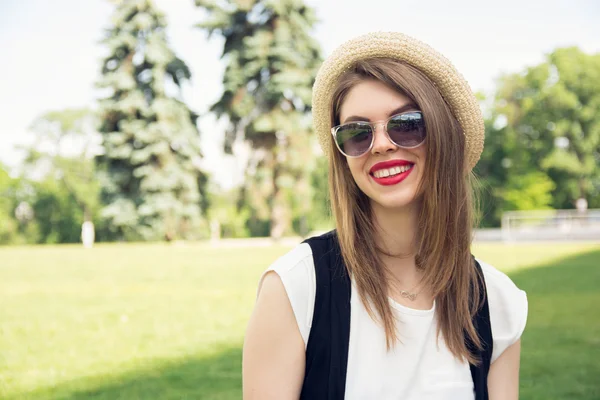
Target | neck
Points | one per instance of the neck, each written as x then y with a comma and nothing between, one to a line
395,231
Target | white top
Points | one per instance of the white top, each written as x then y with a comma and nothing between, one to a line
416,368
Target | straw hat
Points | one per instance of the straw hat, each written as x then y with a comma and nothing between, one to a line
451,84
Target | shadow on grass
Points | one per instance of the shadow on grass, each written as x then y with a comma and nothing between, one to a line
216,377
561,343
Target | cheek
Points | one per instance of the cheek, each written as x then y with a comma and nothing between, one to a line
421,152
421,156
355,165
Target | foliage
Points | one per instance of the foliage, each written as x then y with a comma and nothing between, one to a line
38,211
58,181
8,223
528,192
64,149
320,214
271,62
57,212
545,125
225,216
151,179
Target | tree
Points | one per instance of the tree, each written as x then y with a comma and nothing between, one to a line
321,216
9,227
64,149
59,166
227,220
544,134
271,63
151,175
57,215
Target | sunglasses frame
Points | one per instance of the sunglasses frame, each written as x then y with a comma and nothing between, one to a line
373,126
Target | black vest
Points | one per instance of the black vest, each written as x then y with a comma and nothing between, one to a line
327,348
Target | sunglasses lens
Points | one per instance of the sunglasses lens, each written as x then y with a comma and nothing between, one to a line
407,130
354,139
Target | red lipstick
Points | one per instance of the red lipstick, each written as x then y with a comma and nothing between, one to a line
389,164
394,179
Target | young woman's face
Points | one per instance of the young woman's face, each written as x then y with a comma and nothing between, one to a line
395,183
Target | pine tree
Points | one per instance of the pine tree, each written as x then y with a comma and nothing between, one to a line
271,63
152,180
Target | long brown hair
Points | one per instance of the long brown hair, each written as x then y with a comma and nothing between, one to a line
443,237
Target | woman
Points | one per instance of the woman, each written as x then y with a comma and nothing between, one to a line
402,131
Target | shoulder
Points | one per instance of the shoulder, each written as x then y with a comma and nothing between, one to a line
508,308
297,273
292,262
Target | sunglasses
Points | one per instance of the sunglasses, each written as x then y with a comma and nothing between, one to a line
406,130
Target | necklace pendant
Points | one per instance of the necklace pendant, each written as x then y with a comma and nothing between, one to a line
408,295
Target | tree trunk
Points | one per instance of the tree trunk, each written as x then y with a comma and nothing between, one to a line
279,208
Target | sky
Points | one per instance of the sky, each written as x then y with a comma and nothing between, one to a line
51,51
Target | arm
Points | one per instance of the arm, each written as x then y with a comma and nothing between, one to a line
503,379
274,354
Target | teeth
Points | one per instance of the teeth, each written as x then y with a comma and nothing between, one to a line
382,173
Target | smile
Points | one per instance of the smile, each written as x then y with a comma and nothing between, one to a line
391,173
383,173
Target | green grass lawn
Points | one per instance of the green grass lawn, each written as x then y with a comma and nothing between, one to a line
144,321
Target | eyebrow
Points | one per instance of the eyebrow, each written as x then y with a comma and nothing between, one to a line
407,106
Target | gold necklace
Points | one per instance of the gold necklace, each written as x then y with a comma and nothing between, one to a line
412,296
408,295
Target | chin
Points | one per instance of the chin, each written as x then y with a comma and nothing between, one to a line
391,197
395,201
398,197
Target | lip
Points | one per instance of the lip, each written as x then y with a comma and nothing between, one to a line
391,180
389,164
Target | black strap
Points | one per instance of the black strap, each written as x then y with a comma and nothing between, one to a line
483,326
327,347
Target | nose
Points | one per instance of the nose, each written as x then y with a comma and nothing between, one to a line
381,142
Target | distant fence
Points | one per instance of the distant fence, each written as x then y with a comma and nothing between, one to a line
551,225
